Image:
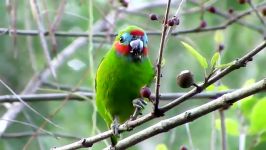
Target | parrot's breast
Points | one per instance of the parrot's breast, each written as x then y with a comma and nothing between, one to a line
118,83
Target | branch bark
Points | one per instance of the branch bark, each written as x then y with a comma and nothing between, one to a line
160,57
88,142
190,115
167,124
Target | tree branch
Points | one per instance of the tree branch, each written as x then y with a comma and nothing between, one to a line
131,124
190,115
228,16
36,12
81,96
237,64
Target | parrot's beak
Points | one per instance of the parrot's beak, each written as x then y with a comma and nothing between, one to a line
136,51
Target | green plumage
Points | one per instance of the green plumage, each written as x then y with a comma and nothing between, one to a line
118,82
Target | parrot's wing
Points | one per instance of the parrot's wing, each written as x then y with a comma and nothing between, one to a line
100,106
95,80
152,79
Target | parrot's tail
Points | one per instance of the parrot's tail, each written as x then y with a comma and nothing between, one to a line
114,140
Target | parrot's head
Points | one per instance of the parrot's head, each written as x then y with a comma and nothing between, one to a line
132,42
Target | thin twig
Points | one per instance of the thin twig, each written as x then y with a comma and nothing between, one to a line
189,136
27,105
228,16
221,111
41,31
28,134
160,56
213,133
242,130
67,88
259,16
79,96
82,96
223,130
29,120
30,49
256,12
28,124
56,22
12,11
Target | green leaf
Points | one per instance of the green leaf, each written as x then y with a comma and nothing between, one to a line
263,137
215,59
231,126
161,147
259,145
245,105
257,117
221,87
202,60
219,37
210,88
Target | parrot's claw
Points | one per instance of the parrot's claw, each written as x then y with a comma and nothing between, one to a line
115,127
139,103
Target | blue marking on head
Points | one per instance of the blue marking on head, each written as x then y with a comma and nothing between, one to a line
145,39
127,37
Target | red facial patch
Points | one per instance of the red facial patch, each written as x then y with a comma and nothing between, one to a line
137,33
122,49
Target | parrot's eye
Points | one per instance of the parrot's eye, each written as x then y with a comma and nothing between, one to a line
121,39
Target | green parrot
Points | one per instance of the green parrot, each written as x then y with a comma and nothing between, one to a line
124,70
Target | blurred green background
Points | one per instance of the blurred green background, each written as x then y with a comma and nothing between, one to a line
18,65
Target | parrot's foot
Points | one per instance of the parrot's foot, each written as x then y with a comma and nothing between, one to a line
139,104
115,126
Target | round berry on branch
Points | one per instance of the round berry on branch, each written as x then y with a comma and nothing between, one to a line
203,24
153,16
263,11
145,92
212,9
185,79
